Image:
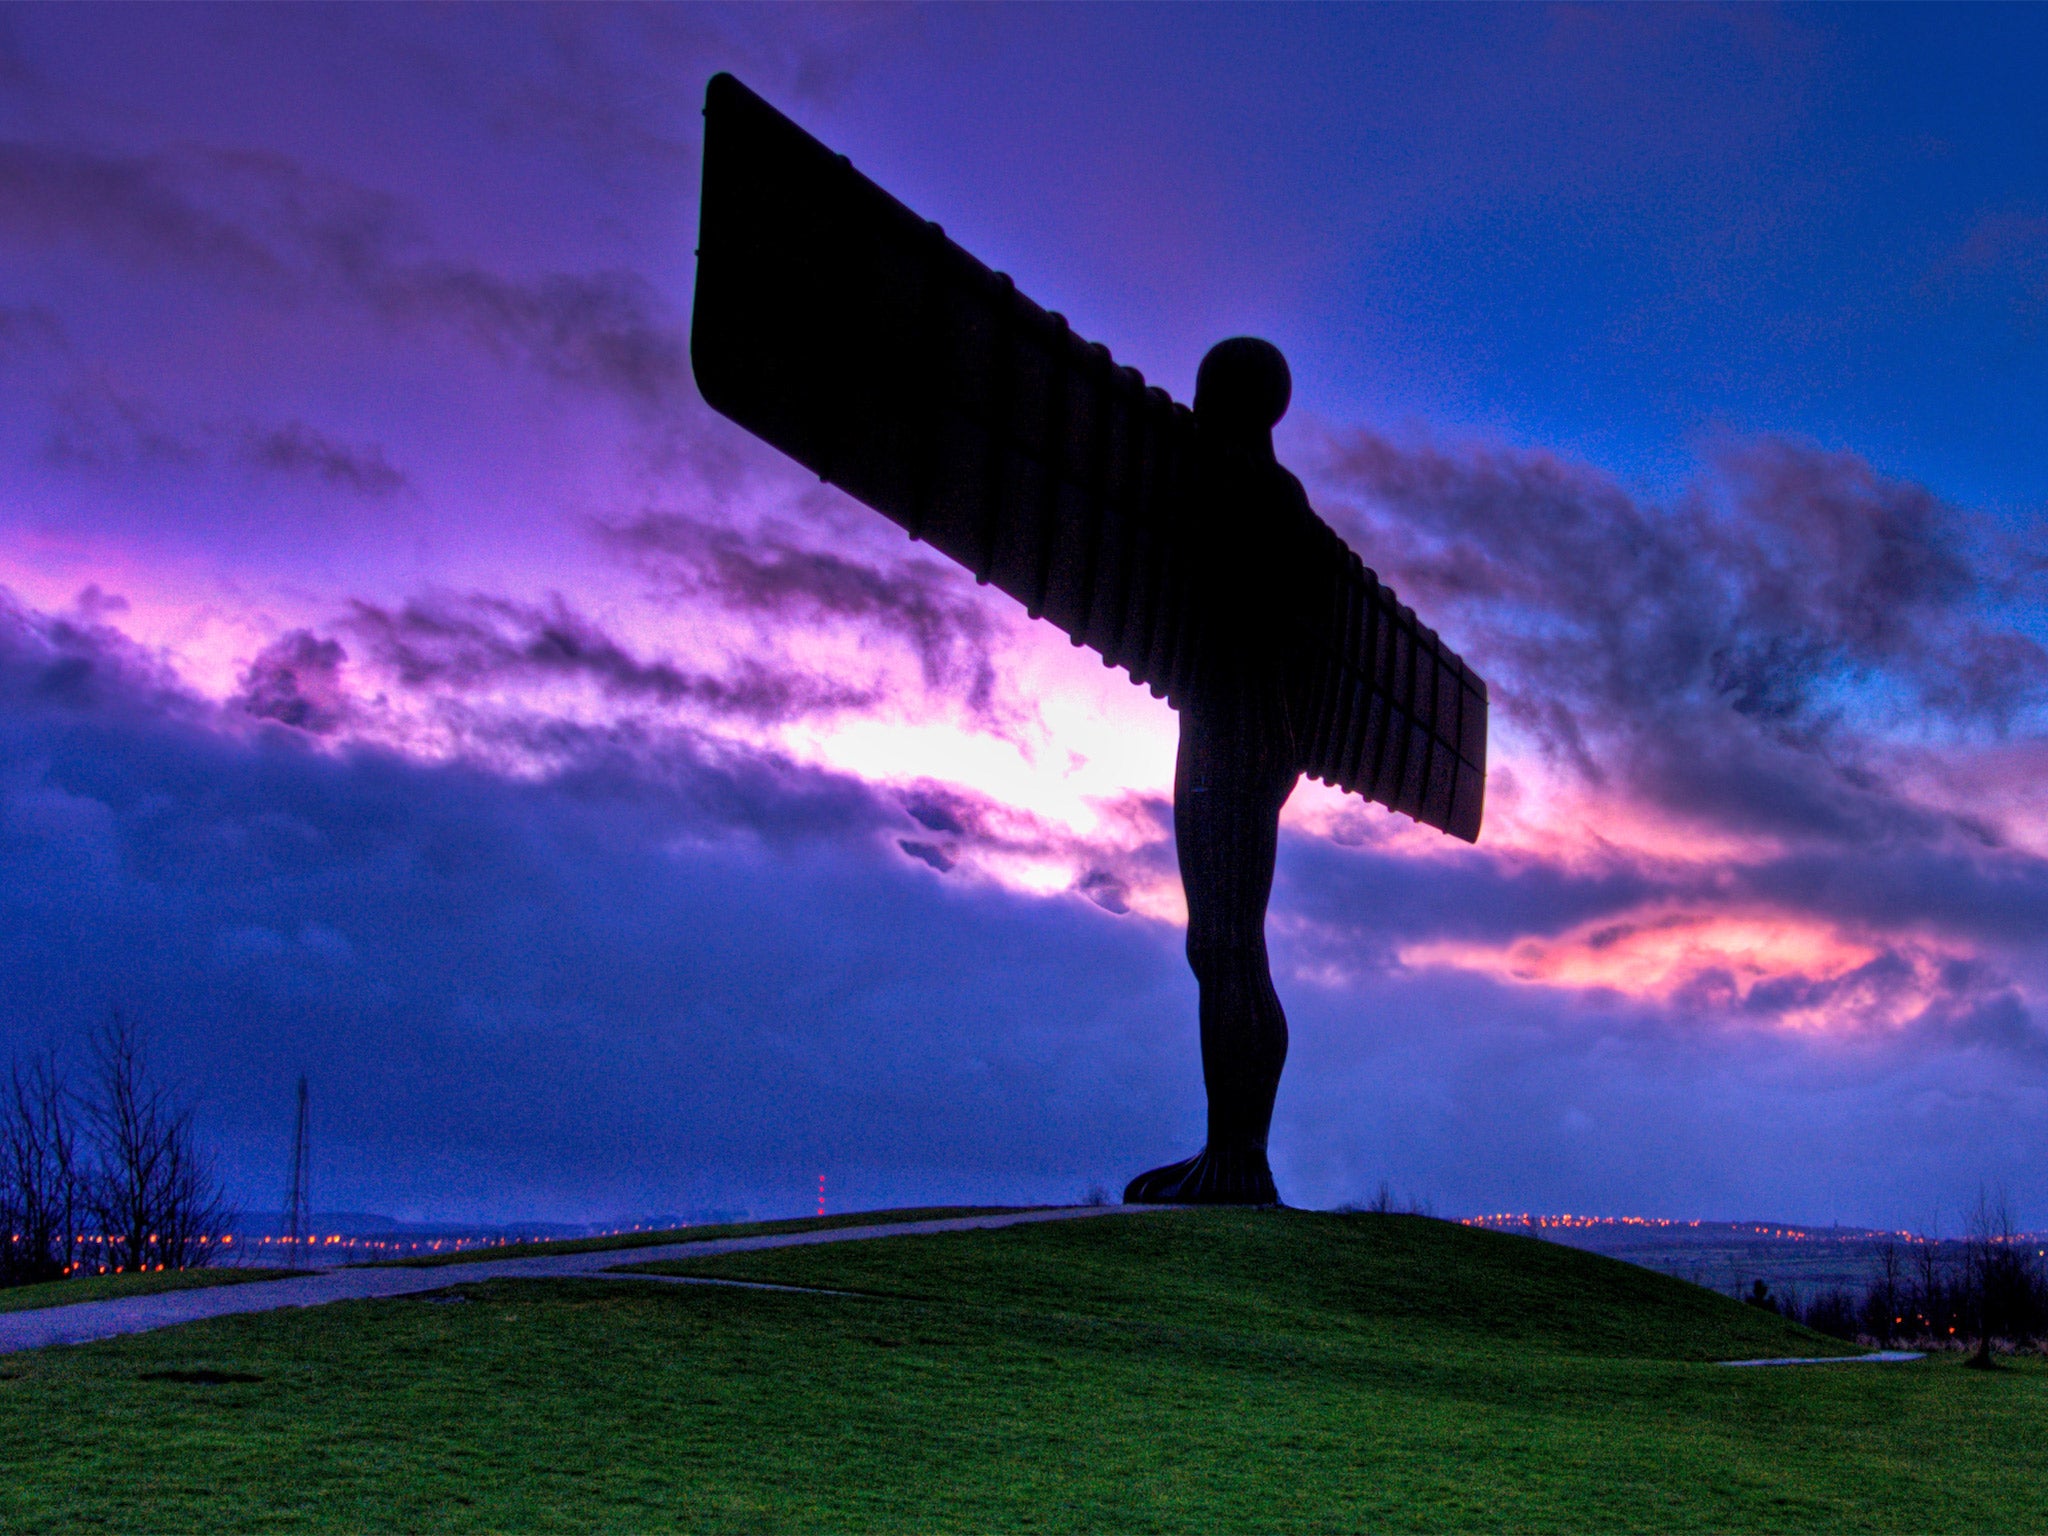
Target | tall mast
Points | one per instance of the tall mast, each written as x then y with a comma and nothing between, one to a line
297,1218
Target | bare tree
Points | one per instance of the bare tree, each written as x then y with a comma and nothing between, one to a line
39,1174
1930,1293
2008,1295
1980,1266
1884,1308
154,1191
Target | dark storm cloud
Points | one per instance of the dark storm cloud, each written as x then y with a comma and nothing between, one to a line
772,576
1748,670
1696,1101
297,449
474,642
1487,1099
630,984
1741,655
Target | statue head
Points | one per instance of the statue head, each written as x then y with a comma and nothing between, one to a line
1242,388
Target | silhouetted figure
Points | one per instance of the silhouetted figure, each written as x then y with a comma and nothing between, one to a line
836,324
1238,762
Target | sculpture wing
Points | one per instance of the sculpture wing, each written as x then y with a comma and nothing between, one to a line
836,324
840,327
1389,711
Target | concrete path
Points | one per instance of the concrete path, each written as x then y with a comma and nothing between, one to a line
88,1320
1878,1357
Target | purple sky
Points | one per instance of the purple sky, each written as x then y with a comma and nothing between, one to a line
405,680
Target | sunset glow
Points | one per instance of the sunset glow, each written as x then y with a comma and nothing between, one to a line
408,681
1788,969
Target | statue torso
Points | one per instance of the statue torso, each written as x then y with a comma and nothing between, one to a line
1250,556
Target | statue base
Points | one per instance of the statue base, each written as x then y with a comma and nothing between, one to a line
1225,1176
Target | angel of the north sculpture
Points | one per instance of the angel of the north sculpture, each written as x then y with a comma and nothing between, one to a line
840,327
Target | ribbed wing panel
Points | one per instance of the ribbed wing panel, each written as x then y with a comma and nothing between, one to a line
854,336
851,334
1392,713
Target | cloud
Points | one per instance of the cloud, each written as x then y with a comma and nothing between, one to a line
601,86
931,812
1747,656
129,206
634,983
1123,864
1761,752
771,576
1106,890
297,449
469,643
926,853
296,681
78,661
608,331
1785,966
262,220
682,971
96,426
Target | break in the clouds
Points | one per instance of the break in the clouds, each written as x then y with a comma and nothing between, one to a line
405,680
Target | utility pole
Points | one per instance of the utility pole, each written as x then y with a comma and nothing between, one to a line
298,1220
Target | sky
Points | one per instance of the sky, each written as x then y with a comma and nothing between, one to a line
407,681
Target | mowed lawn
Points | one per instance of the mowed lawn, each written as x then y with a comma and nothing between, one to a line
1212,1371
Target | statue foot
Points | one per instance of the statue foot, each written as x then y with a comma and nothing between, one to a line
1225,1176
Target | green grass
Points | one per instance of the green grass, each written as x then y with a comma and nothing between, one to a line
619,1240
63,1293
1213,1371
1325,1277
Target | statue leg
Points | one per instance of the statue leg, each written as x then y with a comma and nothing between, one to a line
1227,794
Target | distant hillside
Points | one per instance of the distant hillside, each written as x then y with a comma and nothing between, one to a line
1730,1256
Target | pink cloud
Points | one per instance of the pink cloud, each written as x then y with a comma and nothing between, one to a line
1796,970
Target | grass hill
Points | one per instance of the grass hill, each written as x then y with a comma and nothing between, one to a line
1300,1275
1198,1371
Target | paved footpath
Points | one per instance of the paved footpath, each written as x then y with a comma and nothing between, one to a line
88,1320
1879,1357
